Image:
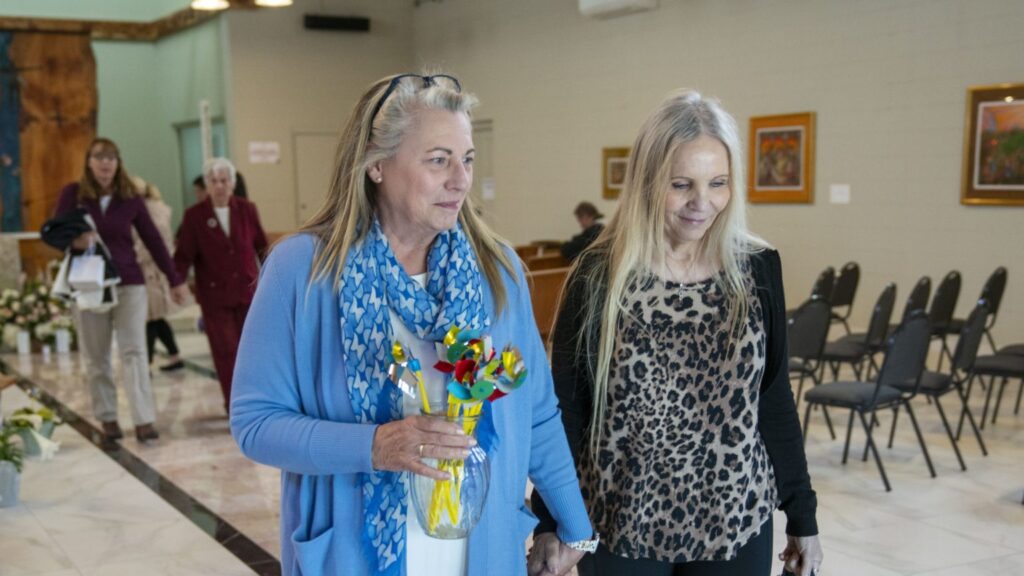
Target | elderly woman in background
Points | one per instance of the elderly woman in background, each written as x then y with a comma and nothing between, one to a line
396,253
116,208
223,239
671,369
158,293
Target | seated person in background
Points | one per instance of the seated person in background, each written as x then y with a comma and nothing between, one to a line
588,216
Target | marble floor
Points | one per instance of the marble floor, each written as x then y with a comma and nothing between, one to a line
959,524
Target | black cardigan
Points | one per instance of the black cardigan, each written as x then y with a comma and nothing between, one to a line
778,423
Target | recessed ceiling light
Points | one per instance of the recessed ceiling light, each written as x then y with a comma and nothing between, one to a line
273,3
209,5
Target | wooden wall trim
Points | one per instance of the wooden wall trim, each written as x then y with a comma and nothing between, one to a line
113,29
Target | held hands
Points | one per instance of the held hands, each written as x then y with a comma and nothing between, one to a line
802,555
399,445
179,294
549,556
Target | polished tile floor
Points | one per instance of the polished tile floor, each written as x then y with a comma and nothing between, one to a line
961,523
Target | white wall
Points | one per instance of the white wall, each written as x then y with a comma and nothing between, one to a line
287,80
886,78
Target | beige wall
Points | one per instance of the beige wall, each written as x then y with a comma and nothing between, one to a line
286,80
886,78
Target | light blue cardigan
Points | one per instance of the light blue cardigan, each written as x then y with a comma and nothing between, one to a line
290,409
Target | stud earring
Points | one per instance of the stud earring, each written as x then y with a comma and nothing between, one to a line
379,179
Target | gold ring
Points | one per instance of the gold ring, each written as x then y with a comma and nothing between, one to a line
421,450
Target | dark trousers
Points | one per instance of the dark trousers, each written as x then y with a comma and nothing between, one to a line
224,331
160,329
753,559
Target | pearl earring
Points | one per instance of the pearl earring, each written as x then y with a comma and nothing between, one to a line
379,179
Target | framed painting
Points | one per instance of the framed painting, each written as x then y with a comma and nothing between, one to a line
613,171
781,159
993,172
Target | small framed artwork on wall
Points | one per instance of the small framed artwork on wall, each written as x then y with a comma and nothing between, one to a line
993,172
781,159
613,171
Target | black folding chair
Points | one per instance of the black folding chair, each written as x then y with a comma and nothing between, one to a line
934,385
855,353
807,330
940,314
843,292
992,293
905,354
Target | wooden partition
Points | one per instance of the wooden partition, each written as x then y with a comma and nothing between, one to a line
545,288
546,262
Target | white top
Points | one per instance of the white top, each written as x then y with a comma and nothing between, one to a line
426,555
224,216
104,202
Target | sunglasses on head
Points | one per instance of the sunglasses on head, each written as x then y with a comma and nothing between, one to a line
428,81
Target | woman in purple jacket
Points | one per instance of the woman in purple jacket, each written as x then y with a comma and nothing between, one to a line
116,207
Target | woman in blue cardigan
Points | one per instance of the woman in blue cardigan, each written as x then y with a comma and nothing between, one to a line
396,253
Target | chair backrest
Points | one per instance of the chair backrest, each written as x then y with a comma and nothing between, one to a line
808,329
992,292
880,317
970,338
944,302
906,352
918,299
846,285
823,285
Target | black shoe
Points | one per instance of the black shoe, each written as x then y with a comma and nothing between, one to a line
145,433
112,432
173,366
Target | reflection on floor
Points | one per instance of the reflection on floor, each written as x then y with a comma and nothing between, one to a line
82,514
959,524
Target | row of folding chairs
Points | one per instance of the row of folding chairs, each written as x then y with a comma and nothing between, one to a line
902,374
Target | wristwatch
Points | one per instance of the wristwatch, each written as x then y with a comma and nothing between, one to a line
588,546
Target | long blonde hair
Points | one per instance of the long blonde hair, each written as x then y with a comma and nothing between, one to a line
634,240
347,213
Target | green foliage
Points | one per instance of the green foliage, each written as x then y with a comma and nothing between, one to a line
9,450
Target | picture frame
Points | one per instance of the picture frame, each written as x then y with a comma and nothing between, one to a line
780,159
993,162
613,171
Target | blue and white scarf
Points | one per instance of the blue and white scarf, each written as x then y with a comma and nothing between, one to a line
374,283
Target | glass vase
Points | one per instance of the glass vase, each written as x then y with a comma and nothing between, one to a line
450,509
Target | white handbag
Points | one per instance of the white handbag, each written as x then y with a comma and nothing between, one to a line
86,273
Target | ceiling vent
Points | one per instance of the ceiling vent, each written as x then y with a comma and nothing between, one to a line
612,8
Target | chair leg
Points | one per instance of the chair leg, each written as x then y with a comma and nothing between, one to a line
943,349
828,421
807,421
991,342
800,388
849,432
970,419
920,438
1020,391
999,397
845,325
874,450
988,399
895,416
856,370
949,432
874,424
965,396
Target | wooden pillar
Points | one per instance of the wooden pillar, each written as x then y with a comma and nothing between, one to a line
57,73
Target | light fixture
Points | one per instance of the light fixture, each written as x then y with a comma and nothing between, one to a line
273,3
209,5
1008,99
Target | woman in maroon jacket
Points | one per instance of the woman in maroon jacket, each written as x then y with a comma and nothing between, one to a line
222,237
116,207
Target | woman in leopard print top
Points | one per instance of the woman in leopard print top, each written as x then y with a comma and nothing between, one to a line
670,363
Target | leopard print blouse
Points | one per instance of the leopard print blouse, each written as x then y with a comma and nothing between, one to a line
682,473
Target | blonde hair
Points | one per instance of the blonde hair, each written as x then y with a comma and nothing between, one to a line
630,246
348,211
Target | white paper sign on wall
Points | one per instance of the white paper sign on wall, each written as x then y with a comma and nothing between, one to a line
487,188
264,152
839,193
